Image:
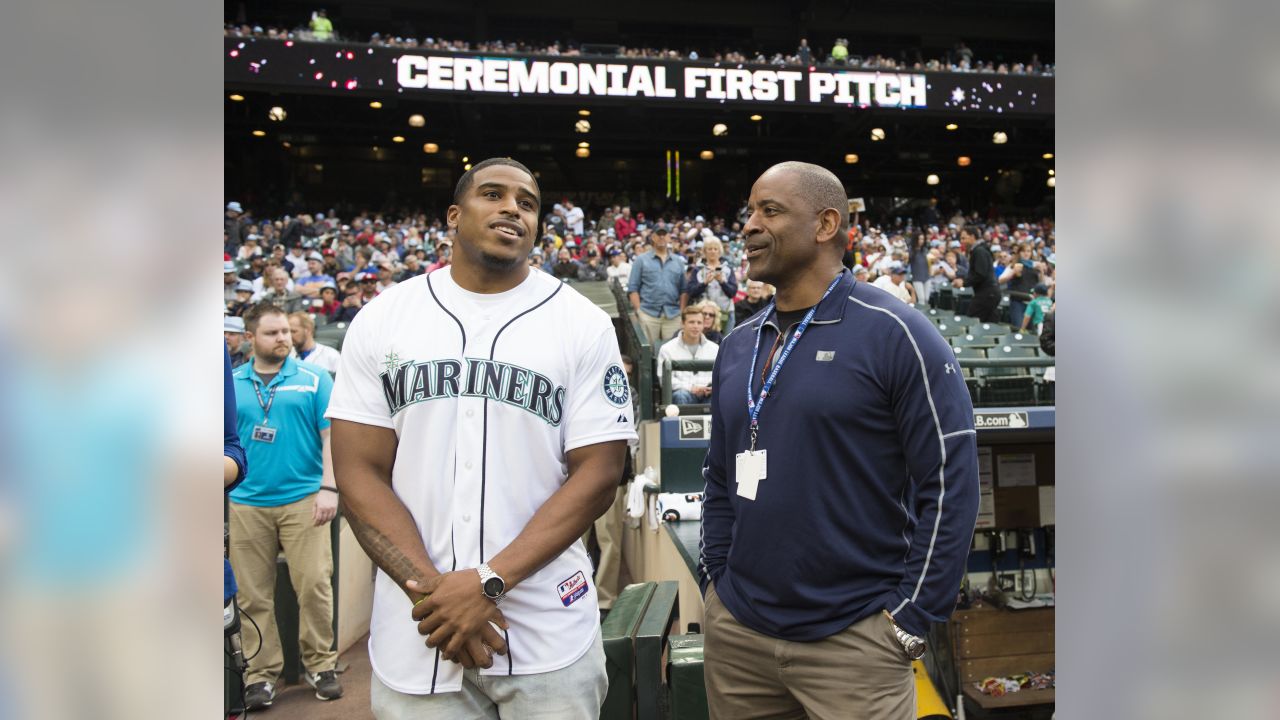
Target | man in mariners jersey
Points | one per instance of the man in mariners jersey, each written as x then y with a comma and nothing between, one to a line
480,418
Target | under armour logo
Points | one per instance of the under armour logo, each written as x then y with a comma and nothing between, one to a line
950,370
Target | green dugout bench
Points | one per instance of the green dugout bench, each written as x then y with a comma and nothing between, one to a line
640,656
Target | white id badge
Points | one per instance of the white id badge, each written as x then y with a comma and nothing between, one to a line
750,471
265,434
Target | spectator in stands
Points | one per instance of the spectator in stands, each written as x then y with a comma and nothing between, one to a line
313,277
894,283
386,277
352,301
233,335
1023,278
656,288
229,281
573,218
368,283
412,268
712,280
981,277
279,294
250,247
1037,309
840,52
444,255
803,53
593,268
321,25
687,386
756,300
920,270
619,267
710,321
235,226
302,329
329,303
296,261
625,225
244,297
1048,338
565,267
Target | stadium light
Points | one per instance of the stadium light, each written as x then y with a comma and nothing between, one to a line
259,133
467,166
277,114
235,97
931,179
582,152
1047,156
584,113
584,144
877,134
719,129
1052,182
952,126
851,159
417,121
582,126
1052,173
999,138
466,159
397,139
375,105
707,155
757,118
963,161
430,148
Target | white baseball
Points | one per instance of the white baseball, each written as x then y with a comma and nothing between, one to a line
672,411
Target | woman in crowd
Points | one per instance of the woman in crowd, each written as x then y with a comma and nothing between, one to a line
712,280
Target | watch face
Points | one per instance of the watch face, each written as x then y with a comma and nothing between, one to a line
493,587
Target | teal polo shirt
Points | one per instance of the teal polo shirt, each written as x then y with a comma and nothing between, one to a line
290,468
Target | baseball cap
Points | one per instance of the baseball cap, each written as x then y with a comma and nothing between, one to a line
897,269
234,324
954,244
661,231
328,286
1040,289
859,270
613,251
699,218
234,206
228,266
244,286
367,276
313,255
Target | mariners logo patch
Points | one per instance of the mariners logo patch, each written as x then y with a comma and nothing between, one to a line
573,588
616,390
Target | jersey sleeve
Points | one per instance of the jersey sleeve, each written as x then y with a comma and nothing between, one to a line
598,399
357,391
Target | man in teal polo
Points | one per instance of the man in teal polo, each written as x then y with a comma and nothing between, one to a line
286,500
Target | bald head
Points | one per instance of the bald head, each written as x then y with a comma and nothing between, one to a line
818,186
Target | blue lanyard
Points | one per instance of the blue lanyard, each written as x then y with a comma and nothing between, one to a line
753,407
266,407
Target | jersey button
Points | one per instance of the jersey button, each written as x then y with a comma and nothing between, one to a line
466,518
470,413
467,465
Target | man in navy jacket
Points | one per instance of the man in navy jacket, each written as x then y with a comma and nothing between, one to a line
837,524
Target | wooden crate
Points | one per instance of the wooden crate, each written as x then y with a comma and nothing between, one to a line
990,641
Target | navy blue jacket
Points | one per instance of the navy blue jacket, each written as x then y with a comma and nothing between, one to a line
871,492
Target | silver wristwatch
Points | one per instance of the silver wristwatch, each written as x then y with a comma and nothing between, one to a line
914,646
493,586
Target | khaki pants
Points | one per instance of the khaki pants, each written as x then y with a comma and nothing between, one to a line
257,534
608,529
860,672
659,330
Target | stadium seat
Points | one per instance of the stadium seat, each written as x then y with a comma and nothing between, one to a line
1008,385
332,335
1018,339
971,340
1014,351
949,330
982,329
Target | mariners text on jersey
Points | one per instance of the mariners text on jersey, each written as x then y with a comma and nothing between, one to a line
413,382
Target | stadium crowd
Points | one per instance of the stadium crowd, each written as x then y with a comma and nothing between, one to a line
959,59
328,268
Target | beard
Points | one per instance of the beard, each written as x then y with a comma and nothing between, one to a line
500,264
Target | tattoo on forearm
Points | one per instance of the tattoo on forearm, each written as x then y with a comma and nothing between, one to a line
382,551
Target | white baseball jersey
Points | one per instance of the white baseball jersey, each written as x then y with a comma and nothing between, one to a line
487,395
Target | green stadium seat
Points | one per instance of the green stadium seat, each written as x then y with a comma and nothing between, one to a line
1019,339
332,335
949,330
970,340
982,329
619,632
1014,351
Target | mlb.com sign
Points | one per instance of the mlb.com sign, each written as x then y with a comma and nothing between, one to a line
987,421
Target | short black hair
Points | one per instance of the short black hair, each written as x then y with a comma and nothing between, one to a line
822,189
468,177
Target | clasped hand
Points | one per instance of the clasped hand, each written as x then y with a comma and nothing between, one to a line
455,617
